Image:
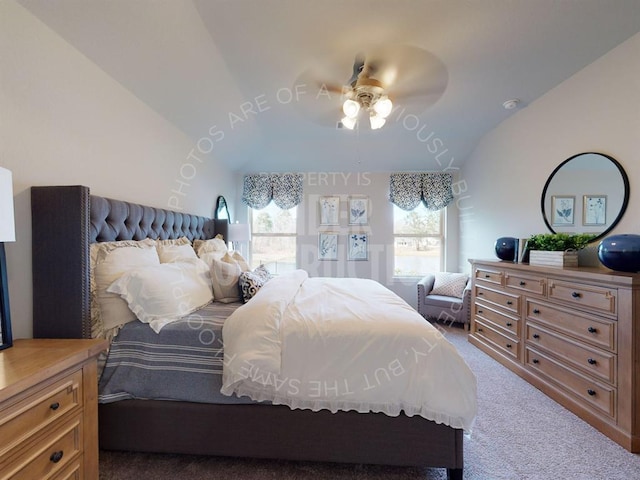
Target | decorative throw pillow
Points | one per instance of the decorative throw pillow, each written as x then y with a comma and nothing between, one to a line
449,284
244,266
175,253
173,241
225,273
166,292
216,244
251,282
98,253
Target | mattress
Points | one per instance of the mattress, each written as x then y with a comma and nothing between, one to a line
183,362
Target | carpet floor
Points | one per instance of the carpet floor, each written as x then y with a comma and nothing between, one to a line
519,434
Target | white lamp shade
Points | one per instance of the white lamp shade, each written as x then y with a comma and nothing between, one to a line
239,232
351,108
7,223
349,123
376,122
383,107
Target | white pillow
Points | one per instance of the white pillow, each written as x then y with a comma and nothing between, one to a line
164,293
113,310
449,284
216,244
244,266
225,274
175,253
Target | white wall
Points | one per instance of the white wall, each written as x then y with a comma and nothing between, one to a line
64,121
596,110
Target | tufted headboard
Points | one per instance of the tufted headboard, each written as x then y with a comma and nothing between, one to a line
65,220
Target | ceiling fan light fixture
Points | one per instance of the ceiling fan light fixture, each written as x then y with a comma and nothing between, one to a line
376,122
383,107
351,108
349,122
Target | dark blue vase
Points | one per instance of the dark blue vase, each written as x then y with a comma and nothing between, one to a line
507,248
620,252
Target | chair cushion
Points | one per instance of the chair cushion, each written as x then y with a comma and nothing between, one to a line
449,284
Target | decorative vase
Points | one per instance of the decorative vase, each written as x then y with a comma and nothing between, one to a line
507,248
620,252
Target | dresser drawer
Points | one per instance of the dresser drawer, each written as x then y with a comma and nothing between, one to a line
593,330
586,296
73,471
494,317
507,344
489,276
595,394
526,283
33,413
48,456
506,300
598,363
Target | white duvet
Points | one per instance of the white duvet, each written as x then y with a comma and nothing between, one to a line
344,344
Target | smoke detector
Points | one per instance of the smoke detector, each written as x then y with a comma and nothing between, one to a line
511,104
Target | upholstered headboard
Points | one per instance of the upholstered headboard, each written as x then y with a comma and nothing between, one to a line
65,220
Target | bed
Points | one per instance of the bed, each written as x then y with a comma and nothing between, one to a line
65,221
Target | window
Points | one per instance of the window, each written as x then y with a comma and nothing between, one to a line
273,238
418,241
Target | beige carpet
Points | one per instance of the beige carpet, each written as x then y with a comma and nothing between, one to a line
520,434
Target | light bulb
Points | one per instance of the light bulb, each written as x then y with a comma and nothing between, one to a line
376,122
349,123
351,108
383,107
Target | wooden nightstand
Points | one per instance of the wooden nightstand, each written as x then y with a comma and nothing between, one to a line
49,409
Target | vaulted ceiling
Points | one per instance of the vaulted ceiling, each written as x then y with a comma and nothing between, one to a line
222,67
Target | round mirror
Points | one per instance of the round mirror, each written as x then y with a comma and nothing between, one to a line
222,212
587,193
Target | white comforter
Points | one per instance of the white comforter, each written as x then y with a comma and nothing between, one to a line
344,344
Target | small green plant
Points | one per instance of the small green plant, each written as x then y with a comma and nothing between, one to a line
559,242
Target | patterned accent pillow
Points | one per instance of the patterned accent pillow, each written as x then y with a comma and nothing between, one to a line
251,282
449,284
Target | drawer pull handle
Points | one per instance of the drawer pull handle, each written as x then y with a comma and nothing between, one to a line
508,345
592,330
480,330
54,406
522,284
536,361
509,324
536,311
479,293
576,295
591,392
56,456
535,335
480,311
591,361
487,275
509,302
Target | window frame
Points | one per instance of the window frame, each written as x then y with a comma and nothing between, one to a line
255,234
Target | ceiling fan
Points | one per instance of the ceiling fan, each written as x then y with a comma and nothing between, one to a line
406,78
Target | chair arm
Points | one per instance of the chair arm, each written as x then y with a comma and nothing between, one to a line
466,302
425,285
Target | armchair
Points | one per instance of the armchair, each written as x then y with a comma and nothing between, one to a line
445,307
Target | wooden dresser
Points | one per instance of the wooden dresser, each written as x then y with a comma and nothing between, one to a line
49,410
574,333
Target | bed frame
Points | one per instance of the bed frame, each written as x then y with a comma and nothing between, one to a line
65,220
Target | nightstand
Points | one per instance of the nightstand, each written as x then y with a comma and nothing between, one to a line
49,409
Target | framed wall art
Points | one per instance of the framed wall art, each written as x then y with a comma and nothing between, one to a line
327,246
562,210
358,246
329,210
594,210
358,210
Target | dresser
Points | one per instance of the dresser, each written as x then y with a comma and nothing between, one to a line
574,333
49,410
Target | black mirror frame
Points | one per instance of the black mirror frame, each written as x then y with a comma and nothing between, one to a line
6,340
625,202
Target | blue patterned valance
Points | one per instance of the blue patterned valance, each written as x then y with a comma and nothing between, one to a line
433,189
285,189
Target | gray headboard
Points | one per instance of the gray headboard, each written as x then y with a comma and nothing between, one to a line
65,220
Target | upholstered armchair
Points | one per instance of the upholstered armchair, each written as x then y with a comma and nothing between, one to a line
445,297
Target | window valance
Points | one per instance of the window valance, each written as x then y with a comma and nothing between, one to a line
433,189
285,189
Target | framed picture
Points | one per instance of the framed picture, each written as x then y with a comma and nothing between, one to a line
327,246
562,210
594,210
358,210
358,248
329,210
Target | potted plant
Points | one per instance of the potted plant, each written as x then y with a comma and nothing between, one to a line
557,249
